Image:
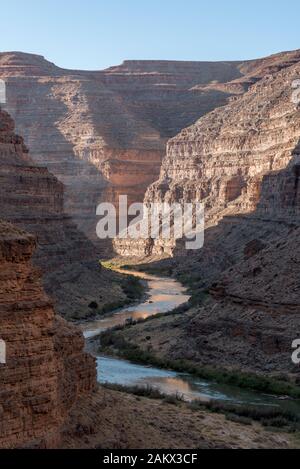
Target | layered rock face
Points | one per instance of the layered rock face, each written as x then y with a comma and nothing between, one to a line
222,159
32,198
103,133
252,315
242,161
46,370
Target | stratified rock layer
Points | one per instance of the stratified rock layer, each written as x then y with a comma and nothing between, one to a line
32,198
222,159
103,134
246,305
46,370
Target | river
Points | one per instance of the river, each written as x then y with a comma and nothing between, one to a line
165,294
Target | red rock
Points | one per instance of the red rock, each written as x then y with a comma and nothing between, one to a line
46,370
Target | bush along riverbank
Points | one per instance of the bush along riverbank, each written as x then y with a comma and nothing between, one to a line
132,289
274,419
113,343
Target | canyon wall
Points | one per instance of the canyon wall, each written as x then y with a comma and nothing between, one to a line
46,370
251,316
222,159
103,133
32,198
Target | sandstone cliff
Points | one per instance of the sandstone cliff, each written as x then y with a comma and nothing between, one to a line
32,198
222,159
104,133
46,370
245,310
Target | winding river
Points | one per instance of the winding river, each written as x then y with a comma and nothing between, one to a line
164,294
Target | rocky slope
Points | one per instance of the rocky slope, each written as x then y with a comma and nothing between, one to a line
46,370
158,424
32,198
249,271
104,133
245,309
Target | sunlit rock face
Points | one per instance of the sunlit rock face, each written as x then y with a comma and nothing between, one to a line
45,369
222,159
103,133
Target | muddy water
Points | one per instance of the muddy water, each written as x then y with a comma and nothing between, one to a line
164,294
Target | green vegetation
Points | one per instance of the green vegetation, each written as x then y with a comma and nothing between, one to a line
152,269
110,265
113,342
146,391
191,280
132,287
272,417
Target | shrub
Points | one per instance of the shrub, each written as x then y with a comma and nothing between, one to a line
239,419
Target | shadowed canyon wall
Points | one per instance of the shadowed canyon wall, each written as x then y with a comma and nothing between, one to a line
46,370
32,198
251,315
244,313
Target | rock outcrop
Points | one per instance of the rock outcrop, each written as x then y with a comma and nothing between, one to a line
46,370
32,198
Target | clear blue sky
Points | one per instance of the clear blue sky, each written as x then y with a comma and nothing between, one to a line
94,34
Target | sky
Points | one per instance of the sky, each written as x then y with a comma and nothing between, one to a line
95,34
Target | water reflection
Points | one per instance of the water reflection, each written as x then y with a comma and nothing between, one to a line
164,295
123,372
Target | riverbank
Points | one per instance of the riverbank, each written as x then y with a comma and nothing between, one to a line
158,296
124,290
218,331
241,406
135,334
158,424
119,342
153,339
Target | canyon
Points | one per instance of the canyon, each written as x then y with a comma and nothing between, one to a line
104,133
33,199
226,134
222,159
49,398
